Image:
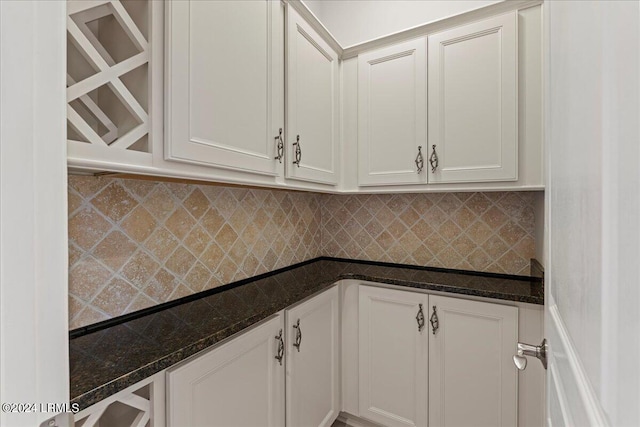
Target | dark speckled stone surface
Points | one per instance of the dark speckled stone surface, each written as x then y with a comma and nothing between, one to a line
109,360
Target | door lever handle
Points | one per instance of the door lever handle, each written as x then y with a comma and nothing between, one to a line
523,350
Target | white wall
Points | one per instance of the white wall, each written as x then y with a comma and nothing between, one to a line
355,21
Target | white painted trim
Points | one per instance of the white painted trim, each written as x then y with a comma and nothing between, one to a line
584,404
439,25
315,23
33,208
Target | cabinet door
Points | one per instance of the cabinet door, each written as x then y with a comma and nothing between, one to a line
237,384
473,106
393,357
392,120
312,104
225,83
472,379
313,381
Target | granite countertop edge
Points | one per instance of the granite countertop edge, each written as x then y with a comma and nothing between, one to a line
120,383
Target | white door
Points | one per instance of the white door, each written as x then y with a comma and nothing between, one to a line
312,104
225,83
240,383
313,381
472,379
473,108
34,356
393,357
592,319
392,116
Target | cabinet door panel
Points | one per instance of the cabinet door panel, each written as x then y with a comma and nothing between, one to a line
312,103
392,120
393,357
237,384
313,372
472,379
473,101
223,79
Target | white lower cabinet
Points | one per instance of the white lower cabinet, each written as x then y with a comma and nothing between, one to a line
313,362
420,360
472,379
393,355
451,368
240,383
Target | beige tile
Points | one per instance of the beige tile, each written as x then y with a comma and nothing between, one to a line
87,186
196,204
180,262
511,261
180,291
198,277
226,237
87,227
87,277
180,191
479,232
161,243
494,217
140,302
495,247
115,297
75,306
449,230
212,256
511,233
409,216
238,252
114,202
422,229
160,203
197,240
180,223
73,202
212,221
479,260
478,203
87,316
139,224
463,245
139,187
140,269
74,254
114,250
463,217
161,286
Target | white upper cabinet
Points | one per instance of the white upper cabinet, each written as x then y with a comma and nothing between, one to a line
313,361
225,84
472,379
473,103
312,104
392,119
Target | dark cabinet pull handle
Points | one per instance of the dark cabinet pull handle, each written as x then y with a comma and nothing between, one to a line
419,160
435,324
298,341
280,354
420,319
433,160
298,151
280,146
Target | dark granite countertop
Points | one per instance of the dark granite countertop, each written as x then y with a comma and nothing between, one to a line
111,359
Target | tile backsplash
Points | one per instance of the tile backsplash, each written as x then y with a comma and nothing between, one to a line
138,243
135,243
491,232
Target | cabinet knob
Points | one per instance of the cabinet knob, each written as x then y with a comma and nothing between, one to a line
433,159
279,146
298,151
539,352
419,160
